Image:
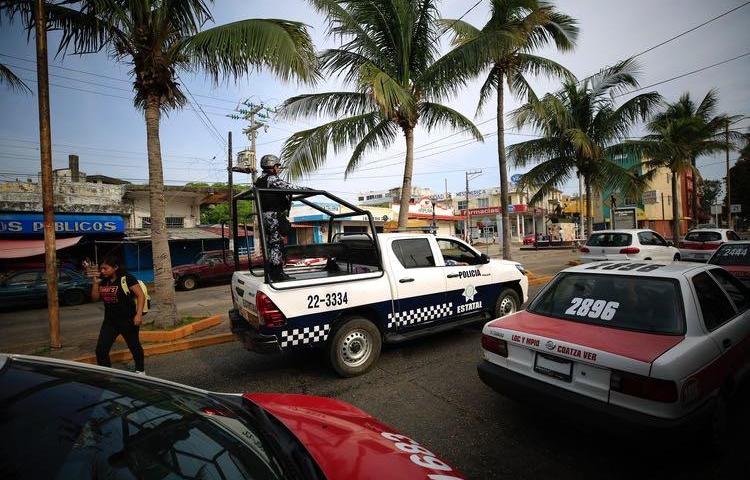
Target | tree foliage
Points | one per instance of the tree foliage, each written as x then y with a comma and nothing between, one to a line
582,128
387,56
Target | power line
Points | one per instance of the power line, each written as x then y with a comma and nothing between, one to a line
684,74
216,132
458,19
689,30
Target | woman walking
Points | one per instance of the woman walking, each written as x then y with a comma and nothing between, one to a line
123,310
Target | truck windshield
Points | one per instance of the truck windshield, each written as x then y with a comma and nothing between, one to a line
619,301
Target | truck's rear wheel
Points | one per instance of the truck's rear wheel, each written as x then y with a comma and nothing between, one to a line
355,347
187,283
507,303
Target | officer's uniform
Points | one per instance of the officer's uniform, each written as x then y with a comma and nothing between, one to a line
275,215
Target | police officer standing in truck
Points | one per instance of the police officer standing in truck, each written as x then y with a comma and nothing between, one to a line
276,207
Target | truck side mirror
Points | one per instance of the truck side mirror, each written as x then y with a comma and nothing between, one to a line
485,258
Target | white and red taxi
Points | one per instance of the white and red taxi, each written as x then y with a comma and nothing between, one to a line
652,345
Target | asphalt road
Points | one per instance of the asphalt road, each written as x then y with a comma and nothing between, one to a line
428,389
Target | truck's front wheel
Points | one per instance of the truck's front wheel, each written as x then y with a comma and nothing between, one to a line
507,303
355,347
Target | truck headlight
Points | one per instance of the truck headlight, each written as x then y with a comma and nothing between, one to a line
521,268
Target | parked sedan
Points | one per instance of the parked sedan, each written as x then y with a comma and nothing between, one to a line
700,244
627,343
29,287
734,257
628,245
70,420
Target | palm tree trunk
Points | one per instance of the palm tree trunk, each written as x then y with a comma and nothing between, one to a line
675,211
589,216
163,298
503,164
403,212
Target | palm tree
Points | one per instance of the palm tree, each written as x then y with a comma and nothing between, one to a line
581,129
678,135
388,57
160,39
503,50
14,83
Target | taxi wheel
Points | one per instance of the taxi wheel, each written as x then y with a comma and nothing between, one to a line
354,347
507,302
676,257
187,283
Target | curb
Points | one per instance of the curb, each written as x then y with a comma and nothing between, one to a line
162,348
158,336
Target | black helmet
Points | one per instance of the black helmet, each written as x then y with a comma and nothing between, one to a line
267,162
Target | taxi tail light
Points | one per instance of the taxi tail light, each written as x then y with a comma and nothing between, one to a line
585,250
630,250
655,389
495,345
268,313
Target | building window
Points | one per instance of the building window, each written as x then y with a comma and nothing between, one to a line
462,204
483,202
171,222
361,199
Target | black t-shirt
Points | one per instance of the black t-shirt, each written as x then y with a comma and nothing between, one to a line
118,307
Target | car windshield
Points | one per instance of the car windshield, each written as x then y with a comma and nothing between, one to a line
86,424
729,254
703,237
618,301
612,239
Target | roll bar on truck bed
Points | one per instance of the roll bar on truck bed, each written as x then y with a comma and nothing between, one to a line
297,195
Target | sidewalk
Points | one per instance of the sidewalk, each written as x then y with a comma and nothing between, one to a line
27,331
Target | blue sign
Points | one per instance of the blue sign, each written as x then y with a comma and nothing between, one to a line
516,178
33,223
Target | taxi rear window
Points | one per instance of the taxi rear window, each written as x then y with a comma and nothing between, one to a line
639,303
729,254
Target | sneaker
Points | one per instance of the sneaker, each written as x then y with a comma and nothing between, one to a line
140,372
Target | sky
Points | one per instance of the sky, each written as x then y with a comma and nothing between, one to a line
93,114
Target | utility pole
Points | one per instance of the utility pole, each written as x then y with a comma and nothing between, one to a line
467,220
256,115
232,210
729,183
45,149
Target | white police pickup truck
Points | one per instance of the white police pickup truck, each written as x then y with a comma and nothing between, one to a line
387,288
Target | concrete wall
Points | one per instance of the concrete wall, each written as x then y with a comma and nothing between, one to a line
80,197
179,204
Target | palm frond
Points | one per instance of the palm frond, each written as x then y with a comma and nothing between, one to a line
238,48
434,115
331,104
386,91
546,177
381,135
13,82
307,150
461,32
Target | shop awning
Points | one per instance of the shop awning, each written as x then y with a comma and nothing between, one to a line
31,248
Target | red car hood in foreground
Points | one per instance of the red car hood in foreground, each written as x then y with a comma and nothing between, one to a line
645,347
347,443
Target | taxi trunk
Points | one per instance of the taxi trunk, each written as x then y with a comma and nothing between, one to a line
589,360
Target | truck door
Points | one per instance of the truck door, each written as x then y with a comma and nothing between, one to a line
469,286
420,289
